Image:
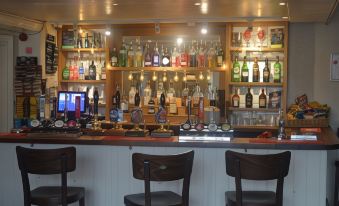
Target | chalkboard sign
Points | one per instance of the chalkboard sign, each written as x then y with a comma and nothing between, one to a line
51,55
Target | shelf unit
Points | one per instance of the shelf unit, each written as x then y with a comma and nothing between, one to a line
255,50
172,69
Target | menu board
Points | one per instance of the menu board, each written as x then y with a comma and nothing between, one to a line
51,55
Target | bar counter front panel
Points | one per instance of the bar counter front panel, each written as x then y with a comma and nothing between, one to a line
104,168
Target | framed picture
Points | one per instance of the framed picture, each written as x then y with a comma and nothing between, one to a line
334,67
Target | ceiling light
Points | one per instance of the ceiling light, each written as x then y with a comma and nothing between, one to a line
179,41
204,31
204,8
285,17
107,32
282,3
197,4
80,31
115,4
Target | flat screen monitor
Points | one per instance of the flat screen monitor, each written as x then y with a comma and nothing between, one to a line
70,96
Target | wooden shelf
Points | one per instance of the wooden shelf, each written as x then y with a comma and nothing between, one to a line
84,81
252,109
254,127
251,49
188,69
256,84
84,50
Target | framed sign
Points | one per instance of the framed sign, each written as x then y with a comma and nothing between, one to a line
334,66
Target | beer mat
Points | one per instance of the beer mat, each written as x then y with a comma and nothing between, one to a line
14,135
284,141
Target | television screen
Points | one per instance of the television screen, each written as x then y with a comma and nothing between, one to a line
68,99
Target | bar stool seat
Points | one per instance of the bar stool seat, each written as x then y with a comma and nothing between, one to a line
52,195
252,198
160,198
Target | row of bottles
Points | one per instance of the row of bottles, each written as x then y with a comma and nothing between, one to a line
242,75
96,40
196,55
84,70
249,99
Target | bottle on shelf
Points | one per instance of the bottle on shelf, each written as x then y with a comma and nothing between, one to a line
244,71
122,55
138,57
201,56
75,71
87,70
81,71
79,41
160,90
147,93
114,58
65,73
184,57
103,71
192,56
86,41
170,92
249,98
266,71
166,59
220,56
256,73
236,71
131,94
148,57
184,94
156,56
71,71
151,106
124,103
92,71
262,99
277,71
175,59
211,56
130,56
235,99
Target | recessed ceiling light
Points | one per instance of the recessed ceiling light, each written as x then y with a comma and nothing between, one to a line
115,4
197,4
107,32
285,17
282,3
204,31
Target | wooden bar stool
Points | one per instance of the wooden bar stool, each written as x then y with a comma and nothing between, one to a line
46,162
161,168
256,167
336,184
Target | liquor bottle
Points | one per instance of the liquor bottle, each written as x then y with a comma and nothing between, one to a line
220,57
71,71
124,103
81,72
170,93
183,57
96,101
148,57
114,58
137,98
184,94
147,93
192,56
86,41
166,59
87,70
122,55
92,71
201,56
156,56
161,54
42,100
236,71
79,41
256,73
130,56
151,106
266,72
197,95
277,71
160,90
103,71
75,71
235,99
262,99
249,98
244,71
211,56
131,95
65,73
175,59
138,57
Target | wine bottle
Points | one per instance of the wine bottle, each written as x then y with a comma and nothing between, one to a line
262,99
114,58
156,56
266,72
86,41
277,71
249,98
122,55
244,71
236,71
256,73
148,58
92,71
235,99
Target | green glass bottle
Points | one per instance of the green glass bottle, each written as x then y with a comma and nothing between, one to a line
244,71
236,71
123,55
277,71
65,73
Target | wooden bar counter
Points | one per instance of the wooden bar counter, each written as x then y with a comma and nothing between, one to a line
104,167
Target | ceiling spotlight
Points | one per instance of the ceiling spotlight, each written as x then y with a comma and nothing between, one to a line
107,32
282,3
197,4
204,30
285,17
179,41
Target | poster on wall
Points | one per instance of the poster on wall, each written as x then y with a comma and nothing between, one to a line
334,67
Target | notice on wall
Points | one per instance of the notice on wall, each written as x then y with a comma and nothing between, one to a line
334,67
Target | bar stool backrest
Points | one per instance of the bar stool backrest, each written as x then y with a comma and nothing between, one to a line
258,167
163,168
